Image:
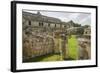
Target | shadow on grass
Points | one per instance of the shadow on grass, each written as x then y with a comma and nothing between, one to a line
40,58
47,57
67,59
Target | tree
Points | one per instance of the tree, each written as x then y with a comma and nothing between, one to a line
80,31
77,25
86,26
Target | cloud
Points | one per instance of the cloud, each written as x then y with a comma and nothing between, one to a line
86,20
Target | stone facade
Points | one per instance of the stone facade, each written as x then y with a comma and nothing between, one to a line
87,31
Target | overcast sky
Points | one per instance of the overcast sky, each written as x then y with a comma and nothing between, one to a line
81,18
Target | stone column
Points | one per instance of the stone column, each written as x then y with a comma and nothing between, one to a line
64,47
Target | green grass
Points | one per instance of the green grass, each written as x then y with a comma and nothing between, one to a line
73,47
45,58
52,58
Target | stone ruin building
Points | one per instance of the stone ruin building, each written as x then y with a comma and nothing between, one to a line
42,34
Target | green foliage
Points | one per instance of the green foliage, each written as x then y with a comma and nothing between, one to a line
80,31
86,26
77,25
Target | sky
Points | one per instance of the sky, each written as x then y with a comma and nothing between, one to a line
81,18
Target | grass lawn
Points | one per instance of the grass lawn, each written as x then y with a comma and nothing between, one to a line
73,47
52,58
44,58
